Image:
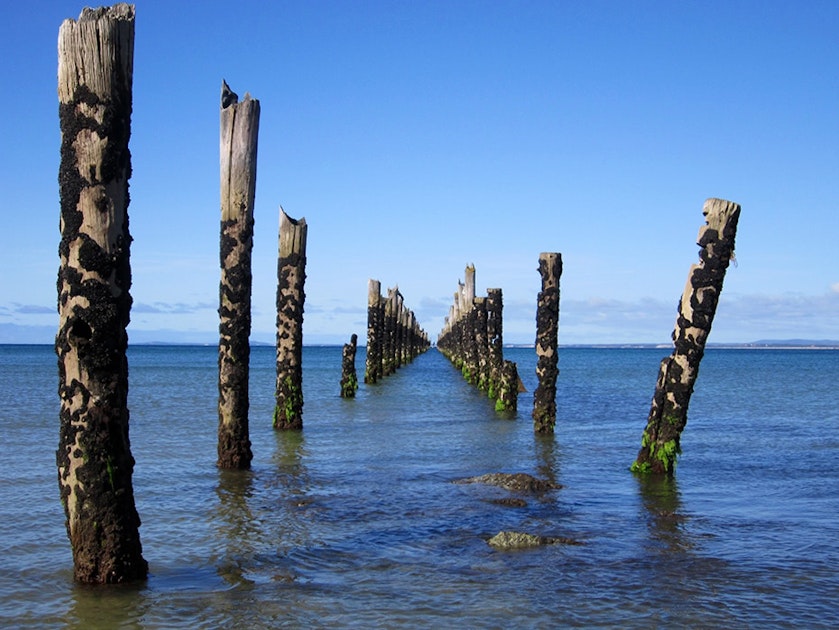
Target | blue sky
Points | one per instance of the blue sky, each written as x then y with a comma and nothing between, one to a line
419,137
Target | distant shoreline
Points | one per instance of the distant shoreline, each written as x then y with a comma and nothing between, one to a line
795,344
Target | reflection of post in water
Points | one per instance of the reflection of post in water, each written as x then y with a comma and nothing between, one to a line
662,503
289,466
123,607
547,457
236,524
293,483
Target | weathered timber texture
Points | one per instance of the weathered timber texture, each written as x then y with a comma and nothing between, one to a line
660,443
547,335
471,339
95,465
349,378
239,130
291,278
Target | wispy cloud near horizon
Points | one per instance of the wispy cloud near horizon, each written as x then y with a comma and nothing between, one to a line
740,318
176,308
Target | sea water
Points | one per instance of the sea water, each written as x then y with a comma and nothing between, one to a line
356,521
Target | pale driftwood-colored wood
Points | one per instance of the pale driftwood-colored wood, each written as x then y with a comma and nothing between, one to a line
660,443
95,466
291,278
238,136
547,337
97,52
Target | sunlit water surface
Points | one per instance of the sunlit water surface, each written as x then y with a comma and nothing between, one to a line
356,521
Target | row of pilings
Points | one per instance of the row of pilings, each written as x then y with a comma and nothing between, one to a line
472,339
394,336
94,460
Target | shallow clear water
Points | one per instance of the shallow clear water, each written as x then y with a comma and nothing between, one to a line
355,521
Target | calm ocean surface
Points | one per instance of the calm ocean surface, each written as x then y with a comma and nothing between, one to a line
356,521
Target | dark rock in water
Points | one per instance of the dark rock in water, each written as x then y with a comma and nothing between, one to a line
510,502
520,482
505,541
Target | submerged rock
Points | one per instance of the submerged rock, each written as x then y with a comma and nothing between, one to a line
520,482
509,502
505,541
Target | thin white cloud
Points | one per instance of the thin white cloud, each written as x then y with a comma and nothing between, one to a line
33,309
177,308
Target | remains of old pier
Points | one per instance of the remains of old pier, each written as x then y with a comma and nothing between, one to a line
291,278
239,130
547,338
660,443
95,466
394,336
94,460
472,340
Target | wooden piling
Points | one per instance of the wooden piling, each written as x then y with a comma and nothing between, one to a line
508,388
375,318
394,337
471,339
349,378
239,130
495,343
547,333
660,443
481,344
95,465
291,277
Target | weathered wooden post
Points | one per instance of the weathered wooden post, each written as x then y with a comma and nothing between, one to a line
375,315
495,344
349,378
389,336
481,344
239,131
291,277
547,333
678,372
508,388
398,329
95,466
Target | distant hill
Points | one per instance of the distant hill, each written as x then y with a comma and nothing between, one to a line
793,343
820,344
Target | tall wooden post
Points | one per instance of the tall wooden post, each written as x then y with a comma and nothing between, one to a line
349,378
495,343
239,130
660,443
481,344
389,334
547,334
375,315
291,277
95,466
399,329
